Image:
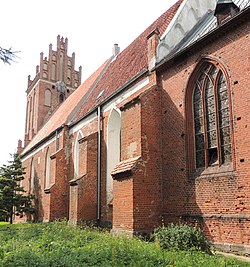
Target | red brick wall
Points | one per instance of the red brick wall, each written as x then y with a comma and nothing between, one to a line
83,200
60,191
147,191
137,198
131,132
53,203
123,202
219,202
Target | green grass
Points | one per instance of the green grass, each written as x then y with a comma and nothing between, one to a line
4,223
59,245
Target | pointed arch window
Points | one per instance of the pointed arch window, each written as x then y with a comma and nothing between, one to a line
30,113
76,154
32,176
113,149
210,118
47,98
53,72
47,169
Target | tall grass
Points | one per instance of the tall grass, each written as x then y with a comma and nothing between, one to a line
59,245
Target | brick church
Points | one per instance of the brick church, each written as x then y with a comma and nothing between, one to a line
159,133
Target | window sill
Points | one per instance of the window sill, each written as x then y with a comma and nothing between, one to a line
74,181
47,190
125,168
214,171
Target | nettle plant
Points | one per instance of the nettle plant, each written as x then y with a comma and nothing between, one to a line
181,237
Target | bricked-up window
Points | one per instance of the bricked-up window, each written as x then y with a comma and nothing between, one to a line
76,154
53,72
47,98
47,169
113,149
211,118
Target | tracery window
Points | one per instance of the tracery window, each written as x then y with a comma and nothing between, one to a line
211,118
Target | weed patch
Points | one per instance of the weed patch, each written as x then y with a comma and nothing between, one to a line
57,244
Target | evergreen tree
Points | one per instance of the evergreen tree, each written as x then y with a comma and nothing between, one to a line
13,199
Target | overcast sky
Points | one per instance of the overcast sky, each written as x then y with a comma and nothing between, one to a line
92,28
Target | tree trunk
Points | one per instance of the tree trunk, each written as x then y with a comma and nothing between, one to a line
11,215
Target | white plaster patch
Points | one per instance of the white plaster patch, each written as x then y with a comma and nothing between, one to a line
131,149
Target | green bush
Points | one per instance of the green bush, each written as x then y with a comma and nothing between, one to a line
181,237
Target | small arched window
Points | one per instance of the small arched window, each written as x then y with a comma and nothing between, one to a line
47,98
76,154
47,169
208,114
61,98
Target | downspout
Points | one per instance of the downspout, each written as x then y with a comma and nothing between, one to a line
99,165
57,141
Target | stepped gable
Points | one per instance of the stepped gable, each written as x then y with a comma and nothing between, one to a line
127,64
67,107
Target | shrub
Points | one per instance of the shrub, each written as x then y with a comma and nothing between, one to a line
181,237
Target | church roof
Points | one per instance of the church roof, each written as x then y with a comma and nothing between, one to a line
128,63
105,81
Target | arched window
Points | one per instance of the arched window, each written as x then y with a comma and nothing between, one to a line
30,113
61,66
68,75
27,116
76,154
113,149
53,72
208,114
61,98
32,176
47,98
34,110
47,169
